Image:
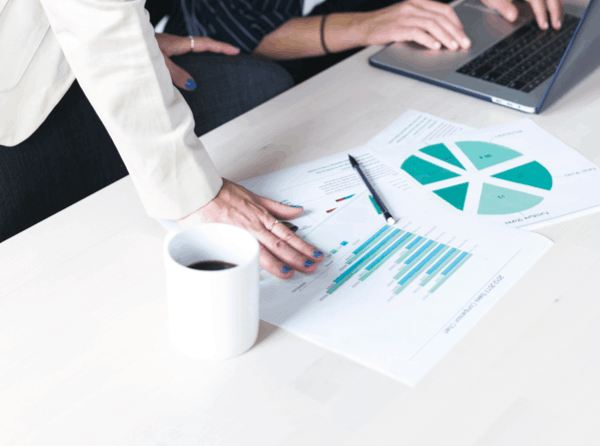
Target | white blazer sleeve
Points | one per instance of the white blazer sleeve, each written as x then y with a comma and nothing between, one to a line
111,48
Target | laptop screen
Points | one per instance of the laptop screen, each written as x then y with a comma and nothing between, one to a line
580,59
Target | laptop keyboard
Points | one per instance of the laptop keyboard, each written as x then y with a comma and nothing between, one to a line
524,59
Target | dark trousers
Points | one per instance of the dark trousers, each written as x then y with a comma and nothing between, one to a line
71,155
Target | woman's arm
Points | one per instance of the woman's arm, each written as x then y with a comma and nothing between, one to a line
301,37
429,23
111,48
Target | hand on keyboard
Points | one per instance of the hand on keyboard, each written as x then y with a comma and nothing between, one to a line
541,8
524,59
430,23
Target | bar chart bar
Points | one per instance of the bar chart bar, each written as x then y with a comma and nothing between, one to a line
386,255
345,198
414,254
454,264
423,263
454,267
440,265
399,243
413,274
404,255
415,258
414,244
356,266
366,245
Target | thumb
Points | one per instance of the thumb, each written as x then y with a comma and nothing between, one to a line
504,7
179,76
280,210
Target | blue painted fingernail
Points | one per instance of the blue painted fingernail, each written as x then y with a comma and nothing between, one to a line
190,84
317,254
295,206
285,269
308,263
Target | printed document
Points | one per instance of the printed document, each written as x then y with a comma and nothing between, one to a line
514,173
398,298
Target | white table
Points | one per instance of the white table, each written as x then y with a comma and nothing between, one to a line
85,356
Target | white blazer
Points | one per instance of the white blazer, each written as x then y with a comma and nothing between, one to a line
109,46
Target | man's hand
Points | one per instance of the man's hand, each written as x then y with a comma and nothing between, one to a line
171,45
430,23
281,251
510,12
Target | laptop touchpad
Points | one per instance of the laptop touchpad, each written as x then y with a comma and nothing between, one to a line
483,25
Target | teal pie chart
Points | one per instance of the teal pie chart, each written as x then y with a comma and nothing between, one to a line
494,199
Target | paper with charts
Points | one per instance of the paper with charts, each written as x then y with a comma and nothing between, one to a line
398,298
515,173
323,185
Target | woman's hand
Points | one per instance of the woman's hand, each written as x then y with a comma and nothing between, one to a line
171,45
510,11
281,251
430,23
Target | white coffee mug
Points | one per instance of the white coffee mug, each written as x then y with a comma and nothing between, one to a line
212,314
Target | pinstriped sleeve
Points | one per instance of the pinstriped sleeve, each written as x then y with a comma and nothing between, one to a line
242,23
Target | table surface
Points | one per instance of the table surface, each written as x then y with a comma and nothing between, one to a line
85,356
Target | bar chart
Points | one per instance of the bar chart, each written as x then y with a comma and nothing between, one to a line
398,297
410,257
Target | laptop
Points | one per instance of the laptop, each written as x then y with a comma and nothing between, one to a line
513,64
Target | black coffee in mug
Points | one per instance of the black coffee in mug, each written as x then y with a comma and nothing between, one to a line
211,265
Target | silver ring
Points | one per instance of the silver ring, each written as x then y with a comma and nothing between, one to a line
192,41
276,221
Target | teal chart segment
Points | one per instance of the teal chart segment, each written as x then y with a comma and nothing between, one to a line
501,200
486,154
493,200
441,152
531,174
425,172
455,195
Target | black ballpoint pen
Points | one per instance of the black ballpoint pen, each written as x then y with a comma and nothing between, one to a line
386,214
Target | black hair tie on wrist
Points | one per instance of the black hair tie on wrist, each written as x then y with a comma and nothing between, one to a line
323,19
